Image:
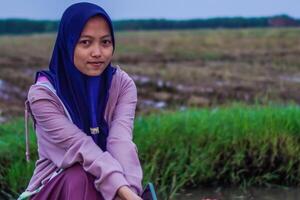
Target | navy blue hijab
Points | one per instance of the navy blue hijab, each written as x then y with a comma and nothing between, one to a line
85,97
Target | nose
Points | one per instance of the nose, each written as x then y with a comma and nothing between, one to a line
96,51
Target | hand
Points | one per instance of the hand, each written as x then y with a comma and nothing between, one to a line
125,193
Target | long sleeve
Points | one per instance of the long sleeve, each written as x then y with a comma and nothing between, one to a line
119,142
64,143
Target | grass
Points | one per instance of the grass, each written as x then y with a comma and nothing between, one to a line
14,171
235,145
225,146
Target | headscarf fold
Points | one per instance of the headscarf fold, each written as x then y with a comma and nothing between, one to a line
85,97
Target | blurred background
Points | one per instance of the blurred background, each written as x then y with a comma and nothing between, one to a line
218,88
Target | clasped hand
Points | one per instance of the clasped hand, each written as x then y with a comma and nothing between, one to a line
125,193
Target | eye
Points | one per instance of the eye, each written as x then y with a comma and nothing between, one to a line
106,42
85,42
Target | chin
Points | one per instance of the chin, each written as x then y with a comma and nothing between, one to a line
93,74
98,73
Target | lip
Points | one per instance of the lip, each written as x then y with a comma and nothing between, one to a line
95,63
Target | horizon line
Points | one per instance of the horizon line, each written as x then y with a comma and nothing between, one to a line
162,18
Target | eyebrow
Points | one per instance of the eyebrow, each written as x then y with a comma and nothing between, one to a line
88,36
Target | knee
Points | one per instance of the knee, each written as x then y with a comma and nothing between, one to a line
79,184
76,176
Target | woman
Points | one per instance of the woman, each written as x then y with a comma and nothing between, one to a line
83,109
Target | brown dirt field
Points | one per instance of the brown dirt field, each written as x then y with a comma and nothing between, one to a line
175,69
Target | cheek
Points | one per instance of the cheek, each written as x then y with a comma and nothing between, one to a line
79,55
108,54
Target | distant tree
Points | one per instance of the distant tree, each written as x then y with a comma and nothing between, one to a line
23,26
283,21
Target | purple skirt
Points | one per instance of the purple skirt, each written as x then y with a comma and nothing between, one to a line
72,184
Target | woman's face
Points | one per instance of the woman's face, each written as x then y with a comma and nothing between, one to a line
94,49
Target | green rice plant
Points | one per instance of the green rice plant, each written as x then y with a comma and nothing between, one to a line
14,171
233,145
237,145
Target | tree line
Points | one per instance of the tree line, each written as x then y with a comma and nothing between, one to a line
25,26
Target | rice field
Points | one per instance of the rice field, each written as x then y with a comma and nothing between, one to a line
188,130
202,68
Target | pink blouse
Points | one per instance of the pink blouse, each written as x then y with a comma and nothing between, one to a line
61,143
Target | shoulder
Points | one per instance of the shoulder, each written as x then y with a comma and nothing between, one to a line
122,80
40,92
121,75
37,91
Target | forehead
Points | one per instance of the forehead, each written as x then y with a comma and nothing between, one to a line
96,24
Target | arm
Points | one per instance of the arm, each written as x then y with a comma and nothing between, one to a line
119,141
64,143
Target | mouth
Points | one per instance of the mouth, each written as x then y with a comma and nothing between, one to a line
96,63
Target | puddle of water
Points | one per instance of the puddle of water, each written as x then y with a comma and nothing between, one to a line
238,194
294,79
143,80
9,92
2,119
3,94
11,101
153,104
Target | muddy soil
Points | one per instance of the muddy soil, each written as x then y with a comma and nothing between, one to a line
176,69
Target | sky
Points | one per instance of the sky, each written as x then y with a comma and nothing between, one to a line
145,9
